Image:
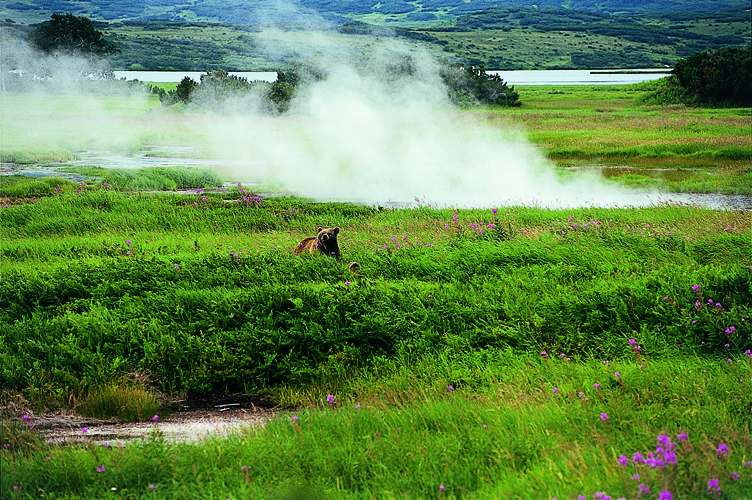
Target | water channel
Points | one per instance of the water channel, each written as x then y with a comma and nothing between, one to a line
516,77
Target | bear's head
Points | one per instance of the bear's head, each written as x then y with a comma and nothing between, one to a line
327,240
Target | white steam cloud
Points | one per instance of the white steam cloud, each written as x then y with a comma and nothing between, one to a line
366,136
372,139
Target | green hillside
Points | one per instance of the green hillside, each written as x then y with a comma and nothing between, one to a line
265,35
329,11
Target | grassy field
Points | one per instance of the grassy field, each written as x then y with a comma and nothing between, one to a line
672,148
514,352
511,352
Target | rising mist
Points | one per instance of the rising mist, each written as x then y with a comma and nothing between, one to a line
363,134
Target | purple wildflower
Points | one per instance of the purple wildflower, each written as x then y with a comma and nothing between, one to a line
695,288
665,495
155,418
450,388
330,399
294,418
638,459
682,437
604,417
556,390
714,484
623,461
722,451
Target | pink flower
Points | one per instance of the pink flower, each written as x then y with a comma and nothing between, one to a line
604,417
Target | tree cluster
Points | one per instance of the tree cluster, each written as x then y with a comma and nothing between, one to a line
70,34
470,85
719,78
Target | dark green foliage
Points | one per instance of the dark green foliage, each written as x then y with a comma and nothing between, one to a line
721,77
269,319
610,59
184,89
338,11
71,34
470,84
289,82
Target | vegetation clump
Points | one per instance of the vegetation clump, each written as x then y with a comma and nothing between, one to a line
71,34
720,78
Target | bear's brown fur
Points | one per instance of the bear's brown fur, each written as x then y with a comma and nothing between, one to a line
324,242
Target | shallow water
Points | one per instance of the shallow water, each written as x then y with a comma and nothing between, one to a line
172,156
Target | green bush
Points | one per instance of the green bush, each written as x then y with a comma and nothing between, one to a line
722,77
128,403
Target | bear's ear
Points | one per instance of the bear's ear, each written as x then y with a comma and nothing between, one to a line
335,230
319,229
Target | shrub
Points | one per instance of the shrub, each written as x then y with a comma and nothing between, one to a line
721,77
122,401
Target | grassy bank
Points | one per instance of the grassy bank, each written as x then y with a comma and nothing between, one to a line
204,294
606,129
433,353
610,129
510,427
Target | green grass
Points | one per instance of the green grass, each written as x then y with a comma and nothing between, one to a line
97,287
673,148
124,401
502,432
152,179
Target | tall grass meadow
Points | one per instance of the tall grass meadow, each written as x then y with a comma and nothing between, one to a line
512,352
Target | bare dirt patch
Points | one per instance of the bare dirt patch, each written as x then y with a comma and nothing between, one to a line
186,421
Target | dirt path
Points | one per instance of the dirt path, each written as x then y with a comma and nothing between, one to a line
187,423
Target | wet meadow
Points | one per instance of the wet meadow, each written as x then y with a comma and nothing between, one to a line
500,352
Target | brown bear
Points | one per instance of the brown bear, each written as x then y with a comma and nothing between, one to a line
325,242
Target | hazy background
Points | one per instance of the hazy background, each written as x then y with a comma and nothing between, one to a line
361,135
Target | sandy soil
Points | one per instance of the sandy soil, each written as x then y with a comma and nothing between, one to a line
187,421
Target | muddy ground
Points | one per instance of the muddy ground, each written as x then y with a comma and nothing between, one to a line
185,421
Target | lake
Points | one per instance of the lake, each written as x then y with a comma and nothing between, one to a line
518,77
